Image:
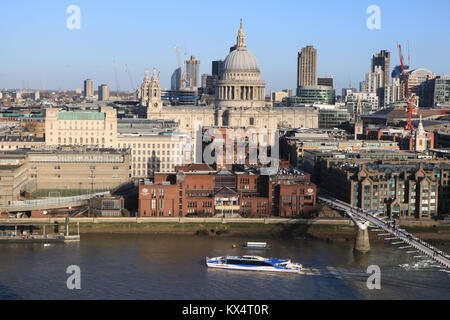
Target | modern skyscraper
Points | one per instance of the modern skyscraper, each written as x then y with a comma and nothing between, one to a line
192,72
217,67
307,67
88,88
175,80
394,92
382,60
103,92
374,80
374,84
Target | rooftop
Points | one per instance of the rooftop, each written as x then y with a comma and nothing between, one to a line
66,150
20,138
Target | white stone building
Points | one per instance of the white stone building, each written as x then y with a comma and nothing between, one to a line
240,100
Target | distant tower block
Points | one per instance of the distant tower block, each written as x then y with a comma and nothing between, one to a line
103,92
88,88
192,72
307,67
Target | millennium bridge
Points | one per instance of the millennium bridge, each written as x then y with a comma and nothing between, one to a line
386,228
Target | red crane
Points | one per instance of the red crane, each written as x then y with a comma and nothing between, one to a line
410,99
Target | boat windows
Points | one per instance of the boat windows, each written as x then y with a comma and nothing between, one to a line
249,262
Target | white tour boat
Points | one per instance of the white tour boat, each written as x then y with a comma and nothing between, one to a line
253,263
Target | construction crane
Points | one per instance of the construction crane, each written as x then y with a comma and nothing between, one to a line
409,98
409,57
117,79
131,78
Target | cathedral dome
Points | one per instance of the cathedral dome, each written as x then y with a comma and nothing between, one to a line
240,60
239,84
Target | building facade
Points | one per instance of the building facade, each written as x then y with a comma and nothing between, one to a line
67,128
13,178
314,95
401,191
158,152
192,72
382,61
88,88
442,91
307,67
197,190
421,82
103,92
240,100
61,169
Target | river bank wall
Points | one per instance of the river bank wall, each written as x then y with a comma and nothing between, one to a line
324,229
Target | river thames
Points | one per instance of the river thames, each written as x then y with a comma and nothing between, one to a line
166,267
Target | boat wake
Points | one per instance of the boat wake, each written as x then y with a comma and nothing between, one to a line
425,264
390,276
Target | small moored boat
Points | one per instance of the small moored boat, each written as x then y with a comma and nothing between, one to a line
254,263
256,245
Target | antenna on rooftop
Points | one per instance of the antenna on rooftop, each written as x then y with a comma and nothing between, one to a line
42,82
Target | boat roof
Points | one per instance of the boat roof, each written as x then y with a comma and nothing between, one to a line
273,260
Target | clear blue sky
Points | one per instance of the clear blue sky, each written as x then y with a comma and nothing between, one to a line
143,34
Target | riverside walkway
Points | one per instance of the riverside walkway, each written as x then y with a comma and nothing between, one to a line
50,203
384,224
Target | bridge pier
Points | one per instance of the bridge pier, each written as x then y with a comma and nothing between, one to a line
362,243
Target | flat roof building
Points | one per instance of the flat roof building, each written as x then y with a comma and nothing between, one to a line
313,95
103,92
61,169
200,191
88,88
83,128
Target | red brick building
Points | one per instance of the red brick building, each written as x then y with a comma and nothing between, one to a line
197,190
404,137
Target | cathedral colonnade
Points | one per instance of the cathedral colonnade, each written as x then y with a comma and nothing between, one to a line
246,93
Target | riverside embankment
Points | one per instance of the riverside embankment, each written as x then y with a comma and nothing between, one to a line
339,229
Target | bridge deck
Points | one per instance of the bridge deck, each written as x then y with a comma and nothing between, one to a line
399,233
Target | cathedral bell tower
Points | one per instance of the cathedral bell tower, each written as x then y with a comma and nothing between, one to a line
359,128
154,102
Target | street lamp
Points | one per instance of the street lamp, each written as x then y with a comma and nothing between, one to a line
92,178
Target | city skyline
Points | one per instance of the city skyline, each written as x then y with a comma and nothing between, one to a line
38,46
